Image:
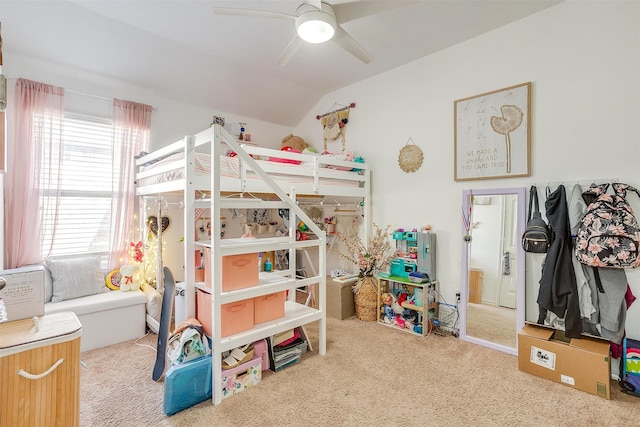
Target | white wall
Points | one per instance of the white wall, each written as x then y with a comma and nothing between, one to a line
171,120
583,59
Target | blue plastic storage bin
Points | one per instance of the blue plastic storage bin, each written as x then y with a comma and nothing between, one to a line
187,384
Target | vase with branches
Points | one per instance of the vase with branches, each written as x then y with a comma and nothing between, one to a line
370,258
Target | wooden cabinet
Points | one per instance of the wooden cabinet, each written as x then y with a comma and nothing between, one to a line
40,371
426,302
475,285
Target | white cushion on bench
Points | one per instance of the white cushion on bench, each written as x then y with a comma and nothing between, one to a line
97,302
107,318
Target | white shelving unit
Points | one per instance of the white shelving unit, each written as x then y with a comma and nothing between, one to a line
295,314
246,183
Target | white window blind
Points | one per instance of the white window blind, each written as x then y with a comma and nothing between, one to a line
85,188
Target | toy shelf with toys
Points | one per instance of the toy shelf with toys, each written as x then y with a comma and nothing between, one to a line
405,304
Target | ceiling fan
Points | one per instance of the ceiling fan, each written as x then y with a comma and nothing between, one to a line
317,21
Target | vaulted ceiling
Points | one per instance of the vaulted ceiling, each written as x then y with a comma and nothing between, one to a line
184,51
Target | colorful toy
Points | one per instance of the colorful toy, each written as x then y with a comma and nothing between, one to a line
386,310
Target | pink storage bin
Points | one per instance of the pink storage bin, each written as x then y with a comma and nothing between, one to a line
203,310
269,307
238,271
236,316
241,377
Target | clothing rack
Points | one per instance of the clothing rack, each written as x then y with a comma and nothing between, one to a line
585,183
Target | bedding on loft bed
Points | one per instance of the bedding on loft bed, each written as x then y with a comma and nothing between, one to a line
230,167
306,173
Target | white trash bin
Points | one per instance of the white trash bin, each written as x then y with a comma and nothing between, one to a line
180,303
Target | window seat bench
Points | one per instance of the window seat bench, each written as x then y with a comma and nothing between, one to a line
107,318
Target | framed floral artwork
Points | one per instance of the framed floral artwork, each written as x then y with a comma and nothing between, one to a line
492,134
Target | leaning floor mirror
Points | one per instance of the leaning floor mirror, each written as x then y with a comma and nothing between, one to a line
492,294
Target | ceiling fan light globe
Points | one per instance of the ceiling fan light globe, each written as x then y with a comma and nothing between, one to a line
316,26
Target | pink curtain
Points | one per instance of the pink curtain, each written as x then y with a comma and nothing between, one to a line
131,133
39,113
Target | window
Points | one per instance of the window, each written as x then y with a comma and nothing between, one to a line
80,222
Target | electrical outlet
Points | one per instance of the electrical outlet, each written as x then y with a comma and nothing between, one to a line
458,297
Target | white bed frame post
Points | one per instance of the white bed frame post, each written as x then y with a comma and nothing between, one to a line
366,209
159,268
216,263
189,196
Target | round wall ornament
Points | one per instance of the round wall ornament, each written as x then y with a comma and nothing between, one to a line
411,157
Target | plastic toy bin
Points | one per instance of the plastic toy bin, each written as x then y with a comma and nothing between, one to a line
269,307
236,316
238,271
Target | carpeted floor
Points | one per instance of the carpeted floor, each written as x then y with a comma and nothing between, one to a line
371,375
492,323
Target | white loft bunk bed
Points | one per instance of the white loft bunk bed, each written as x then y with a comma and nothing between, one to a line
198,168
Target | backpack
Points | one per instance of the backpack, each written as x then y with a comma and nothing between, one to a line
609,235
536,237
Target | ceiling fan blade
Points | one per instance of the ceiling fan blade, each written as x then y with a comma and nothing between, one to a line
346,12
345,41
289,51
250,12
315,3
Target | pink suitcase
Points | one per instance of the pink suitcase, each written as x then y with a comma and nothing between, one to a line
260,349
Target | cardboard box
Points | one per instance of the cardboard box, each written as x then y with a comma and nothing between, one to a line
23,294
340,300
584,364
340,303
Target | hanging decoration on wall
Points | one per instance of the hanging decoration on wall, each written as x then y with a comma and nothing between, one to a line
152,222
334,124
466,220
411,157
257,216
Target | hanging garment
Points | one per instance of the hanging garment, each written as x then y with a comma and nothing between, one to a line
577,209
558,290
612,307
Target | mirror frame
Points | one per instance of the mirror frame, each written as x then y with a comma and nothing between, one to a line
521,219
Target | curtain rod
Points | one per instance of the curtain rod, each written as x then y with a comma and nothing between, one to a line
92,95
106,98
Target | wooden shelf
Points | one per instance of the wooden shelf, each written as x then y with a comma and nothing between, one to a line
384,285
418,308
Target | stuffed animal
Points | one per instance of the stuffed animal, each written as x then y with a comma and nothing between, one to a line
294,142
130,280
